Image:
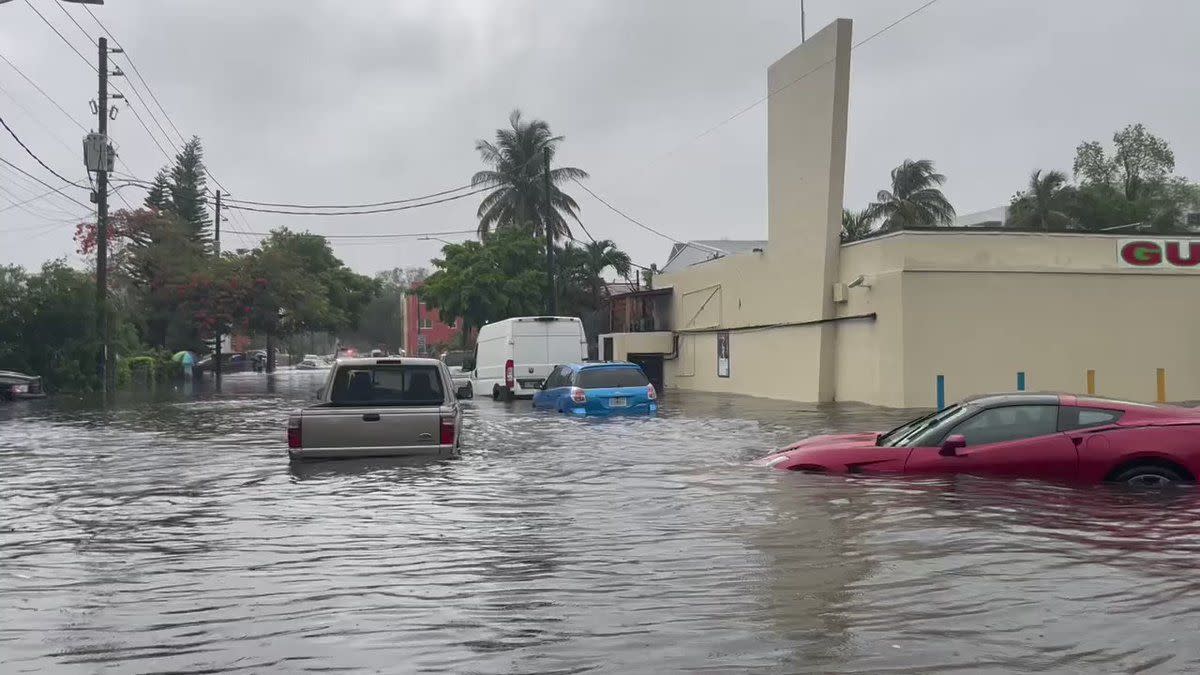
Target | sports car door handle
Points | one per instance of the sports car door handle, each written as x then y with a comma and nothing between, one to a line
1077,440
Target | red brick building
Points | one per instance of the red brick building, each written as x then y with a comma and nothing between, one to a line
424,330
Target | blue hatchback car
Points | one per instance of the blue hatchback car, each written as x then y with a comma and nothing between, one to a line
597,389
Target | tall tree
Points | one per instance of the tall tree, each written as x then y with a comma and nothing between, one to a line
519,199
1045,204
483,282
915,198
583,268
856,224
188,186
1139,160
159,195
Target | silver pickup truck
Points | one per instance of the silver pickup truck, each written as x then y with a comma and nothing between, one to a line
379,407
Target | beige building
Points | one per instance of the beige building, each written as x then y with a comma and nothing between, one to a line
808,318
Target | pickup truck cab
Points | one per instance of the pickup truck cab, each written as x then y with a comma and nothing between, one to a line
379,407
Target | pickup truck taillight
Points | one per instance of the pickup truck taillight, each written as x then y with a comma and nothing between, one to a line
446,436
294,432
509,371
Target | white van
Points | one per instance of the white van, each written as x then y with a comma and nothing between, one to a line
514,356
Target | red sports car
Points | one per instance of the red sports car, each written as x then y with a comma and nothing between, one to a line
1048,436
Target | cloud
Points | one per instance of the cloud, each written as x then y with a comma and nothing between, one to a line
337,101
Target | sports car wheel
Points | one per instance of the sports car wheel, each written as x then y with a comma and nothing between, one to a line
1149,476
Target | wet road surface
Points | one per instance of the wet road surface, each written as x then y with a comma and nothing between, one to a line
171,534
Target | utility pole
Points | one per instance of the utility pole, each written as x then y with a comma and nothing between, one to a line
102,221
217,252
803,31
552,301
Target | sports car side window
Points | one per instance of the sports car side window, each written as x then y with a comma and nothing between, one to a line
1009,423
1081,418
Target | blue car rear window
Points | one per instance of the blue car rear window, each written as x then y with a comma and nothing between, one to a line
608,378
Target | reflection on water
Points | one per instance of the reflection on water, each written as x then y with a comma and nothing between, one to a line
169,533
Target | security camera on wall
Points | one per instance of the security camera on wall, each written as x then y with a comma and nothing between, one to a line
860,282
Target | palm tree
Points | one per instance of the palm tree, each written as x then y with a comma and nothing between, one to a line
856,224
599,256
1044,203
519,200
914,198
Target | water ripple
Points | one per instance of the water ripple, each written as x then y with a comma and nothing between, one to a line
168,532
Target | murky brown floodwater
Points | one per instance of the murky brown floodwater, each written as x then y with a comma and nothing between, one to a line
174,536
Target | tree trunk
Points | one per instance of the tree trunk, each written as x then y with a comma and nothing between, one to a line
270,353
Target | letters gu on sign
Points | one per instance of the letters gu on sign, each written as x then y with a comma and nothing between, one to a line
1159,253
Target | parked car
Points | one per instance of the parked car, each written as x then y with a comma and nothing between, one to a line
1056,437
16,386
455,362
597,389
514,356
312,362
370,407
235,362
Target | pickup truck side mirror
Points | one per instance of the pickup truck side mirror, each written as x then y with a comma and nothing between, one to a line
952,445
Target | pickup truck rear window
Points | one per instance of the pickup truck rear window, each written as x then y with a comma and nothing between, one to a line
387,385
607,378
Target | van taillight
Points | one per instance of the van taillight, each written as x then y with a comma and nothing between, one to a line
508,374
294,433
446,437
650,392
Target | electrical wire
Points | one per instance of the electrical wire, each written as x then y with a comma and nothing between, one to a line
766,98
44,183
43,93
389,235
352,206
31,152
62,37
37,120
359,212
628,217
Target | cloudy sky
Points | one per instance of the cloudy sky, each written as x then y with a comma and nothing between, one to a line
335,102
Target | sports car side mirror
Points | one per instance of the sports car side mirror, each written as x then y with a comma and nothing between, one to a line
952,445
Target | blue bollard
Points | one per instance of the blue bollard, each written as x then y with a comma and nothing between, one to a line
1021,381
941,392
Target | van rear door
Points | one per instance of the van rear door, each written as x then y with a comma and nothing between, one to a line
541,343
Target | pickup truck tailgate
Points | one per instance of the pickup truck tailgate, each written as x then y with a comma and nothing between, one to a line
332,431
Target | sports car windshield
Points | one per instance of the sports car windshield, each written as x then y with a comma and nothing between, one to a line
909,432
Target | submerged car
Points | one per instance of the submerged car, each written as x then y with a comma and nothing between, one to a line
597,389
16,386
1057,437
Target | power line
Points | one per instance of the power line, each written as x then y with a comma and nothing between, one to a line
360,212
61,36
405,235
43,93
628,217
44,183
354,206
137,72
31,153
766,98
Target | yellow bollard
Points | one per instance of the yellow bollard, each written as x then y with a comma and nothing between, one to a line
1091,383
1162,385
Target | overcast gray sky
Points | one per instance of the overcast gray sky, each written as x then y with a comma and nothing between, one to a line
335,101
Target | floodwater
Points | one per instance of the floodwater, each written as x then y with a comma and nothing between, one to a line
171,534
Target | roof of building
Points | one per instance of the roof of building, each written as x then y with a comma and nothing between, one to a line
702,250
